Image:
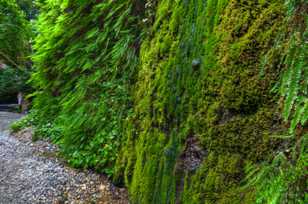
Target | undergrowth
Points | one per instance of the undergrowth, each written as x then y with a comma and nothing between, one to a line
15,34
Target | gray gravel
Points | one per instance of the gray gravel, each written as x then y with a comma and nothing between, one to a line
29,174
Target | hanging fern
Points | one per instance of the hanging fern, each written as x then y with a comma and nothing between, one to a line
85,63
295,82
284,179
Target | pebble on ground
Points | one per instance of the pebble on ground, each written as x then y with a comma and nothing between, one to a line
31,174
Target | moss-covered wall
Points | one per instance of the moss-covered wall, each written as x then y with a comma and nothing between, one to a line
174,97
203,105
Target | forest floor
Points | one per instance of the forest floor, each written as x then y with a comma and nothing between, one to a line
31,173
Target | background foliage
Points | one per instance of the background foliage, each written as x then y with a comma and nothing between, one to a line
15,33
29,8
12,81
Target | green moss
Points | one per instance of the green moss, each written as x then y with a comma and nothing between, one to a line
216,181
241,110
221,101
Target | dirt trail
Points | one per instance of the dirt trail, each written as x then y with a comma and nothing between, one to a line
29,174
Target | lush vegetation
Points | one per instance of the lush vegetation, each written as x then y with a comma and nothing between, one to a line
188,101
15,35
86,59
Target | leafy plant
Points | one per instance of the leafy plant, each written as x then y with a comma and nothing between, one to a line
295,79
284,179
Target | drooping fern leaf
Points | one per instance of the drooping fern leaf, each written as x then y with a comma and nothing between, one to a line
293,82
283,179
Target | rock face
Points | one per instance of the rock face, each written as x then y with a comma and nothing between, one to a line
30,174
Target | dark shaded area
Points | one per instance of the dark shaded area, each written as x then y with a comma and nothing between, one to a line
11,99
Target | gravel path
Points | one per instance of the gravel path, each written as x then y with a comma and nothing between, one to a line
30,174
